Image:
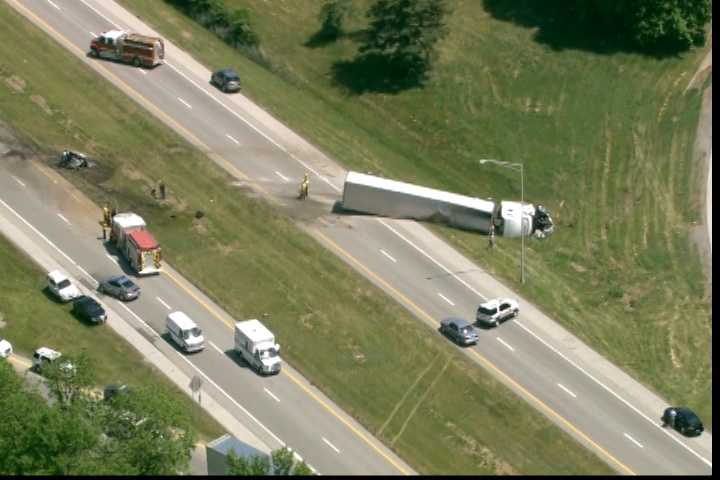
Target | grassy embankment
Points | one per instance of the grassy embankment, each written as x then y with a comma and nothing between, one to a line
606,142
33,320
405,383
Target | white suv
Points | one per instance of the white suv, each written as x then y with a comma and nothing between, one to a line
5,348
44,356
497,310
61,286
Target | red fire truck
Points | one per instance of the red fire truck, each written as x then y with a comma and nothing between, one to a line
129,48
129,234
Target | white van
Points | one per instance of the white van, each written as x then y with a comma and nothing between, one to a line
185,332
61,286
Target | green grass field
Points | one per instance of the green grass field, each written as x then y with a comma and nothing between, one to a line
33,319
605,139
401,380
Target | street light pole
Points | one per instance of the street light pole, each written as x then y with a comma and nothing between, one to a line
514,166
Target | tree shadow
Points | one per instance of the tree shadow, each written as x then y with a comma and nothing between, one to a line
374,73
321,39
569,25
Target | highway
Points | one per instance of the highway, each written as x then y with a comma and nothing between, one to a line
580,391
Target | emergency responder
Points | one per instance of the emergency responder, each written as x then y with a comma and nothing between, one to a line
491,238
106,216
161,189
304,187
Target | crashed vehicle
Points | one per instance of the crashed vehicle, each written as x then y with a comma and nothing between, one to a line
74,160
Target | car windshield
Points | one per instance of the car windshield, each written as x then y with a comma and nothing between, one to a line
126,283
231,76
193,332
467,330
269,353
64,283
487,311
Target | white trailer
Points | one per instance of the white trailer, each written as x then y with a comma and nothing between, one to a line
257,346
381,196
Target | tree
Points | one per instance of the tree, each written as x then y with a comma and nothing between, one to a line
70,377
405,32
281,462
332,15
240,29
671,23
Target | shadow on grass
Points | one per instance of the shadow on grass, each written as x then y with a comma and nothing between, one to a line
373,73
563,25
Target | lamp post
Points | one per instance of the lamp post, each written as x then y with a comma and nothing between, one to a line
516,166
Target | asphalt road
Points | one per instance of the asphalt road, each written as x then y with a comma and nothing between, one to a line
594,401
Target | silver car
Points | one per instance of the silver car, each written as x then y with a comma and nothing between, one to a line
120,287
459,330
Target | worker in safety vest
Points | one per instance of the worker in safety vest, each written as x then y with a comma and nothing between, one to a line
304,188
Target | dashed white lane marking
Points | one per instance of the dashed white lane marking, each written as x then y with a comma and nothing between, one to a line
216,347
86,273
633,440
505,343
285,179
566,390
145,73
18,180
93,34
185,103
446,299
330,445
388,255
113,259
232,138
53,4
271,394
164,304
63,218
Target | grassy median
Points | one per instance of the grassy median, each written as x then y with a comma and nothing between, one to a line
401,380
605,135
33,319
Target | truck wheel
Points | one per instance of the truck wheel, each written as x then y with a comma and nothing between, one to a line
136,62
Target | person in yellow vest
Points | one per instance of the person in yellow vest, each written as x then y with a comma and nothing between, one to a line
304,188
105,223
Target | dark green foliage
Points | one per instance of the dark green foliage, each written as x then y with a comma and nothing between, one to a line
233,26
140,433
332,15
281,462
671,23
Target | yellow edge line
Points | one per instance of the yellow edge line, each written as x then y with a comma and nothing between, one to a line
485,361
361,266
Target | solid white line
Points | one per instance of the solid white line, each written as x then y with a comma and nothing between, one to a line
281,176
103,16
504,343
137,317
216,347
53,4
185,103
164,304
446,299
283,149
142,71
18,180
63,218
518,323
633,440
331,445
112,258
271,394
566,390
38,233
231,138
388,255
86,273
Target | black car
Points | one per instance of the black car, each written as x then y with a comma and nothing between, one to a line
120,287
87,308
459,330
683,420
226,80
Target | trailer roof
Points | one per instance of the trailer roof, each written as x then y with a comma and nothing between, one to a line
408,188
143,239
254,330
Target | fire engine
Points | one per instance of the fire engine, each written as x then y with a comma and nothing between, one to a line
131,237
129,48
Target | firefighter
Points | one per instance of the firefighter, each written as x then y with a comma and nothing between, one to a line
157,257
104,230
304,188
106,216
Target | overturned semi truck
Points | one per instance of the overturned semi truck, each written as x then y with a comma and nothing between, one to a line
380,196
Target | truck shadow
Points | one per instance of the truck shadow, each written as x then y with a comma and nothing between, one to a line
122,262
119,62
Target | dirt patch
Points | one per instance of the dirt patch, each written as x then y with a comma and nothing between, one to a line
199,225
40,102
186,35
16,83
